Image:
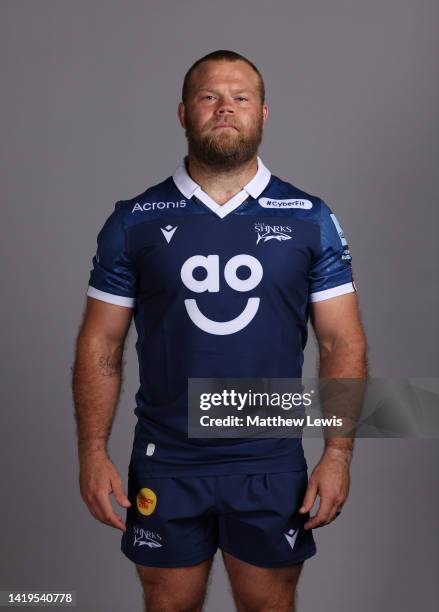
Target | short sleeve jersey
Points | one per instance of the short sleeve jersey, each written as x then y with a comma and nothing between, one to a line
217,291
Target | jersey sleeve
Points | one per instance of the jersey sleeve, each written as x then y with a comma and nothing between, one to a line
331,272
113,277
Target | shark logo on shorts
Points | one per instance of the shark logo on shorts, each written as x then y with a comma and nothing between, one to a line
144,537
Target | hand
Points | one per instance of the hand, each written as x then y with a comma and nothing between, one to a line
330,480
98,478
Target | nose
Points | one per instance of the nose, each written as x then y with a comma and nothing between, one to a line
224,108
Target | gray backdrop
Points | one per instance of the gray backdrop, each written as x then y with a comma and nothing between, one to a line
90,92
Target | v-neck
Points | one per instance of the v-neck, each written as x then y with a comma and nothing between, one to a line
189,188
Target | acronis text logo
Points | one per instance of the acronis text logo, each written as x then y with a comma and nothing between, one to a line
146,206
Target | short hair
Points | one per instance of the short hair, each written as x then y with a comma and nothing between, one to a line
221,54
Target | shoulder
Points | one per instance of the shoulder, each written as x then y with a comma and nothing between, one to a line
284,195
157,198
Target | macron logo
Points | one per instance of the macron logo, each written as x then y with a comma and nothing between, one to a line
291,536
168,232
270,203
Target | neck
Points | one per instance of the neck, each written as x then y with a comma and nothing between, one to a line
221,185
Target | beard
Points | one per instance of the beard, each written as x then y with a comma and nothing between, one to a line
224,149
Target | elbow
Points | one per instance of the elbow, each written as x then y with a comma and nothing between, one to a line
354,344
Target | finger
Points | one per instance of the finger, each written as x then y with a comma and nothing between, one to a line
335,512
98,515
119,493
310,497
105,511
93,511
322,515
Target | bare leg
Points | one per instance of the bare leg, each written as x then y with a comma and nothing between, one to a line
174,589
261,589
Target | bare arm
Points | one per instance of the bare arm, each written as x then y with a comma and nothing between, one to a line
97,371
96,383
342,349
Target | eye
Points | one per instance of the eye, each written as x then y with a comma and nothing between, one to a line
207,96
241,98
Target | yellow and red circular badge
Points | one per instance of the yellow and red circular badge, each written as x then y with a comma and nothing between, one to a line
146,501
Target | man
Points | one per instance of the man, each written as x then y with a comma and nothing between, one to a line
222,264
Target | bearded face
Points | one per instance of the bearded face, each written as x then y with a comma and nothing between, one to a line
223,115
224,147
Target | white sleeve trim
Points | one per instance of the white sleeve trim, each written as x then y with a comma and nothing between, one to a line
119,300
333,292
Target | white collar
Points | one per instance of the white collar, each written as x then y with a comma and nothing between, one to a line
189,188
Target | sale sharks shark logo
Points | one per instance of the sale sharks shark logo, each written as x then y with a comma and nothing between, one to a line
272,232
144,537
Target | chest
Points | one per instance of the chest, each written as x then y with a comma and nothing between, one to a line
204,254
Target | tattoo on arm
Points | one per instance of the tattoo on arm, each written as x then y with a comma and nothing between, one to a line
109,367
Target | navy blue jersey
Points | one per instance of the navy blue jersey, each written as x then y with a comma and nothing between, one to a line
217,291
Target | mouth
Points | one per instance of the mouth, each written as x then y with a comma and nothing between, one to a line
224,126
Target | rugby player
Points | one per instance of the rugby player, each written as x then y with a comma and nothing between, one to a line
221,265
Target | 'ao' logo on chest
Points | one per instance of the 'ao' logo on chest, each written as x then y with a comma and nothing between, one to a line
211,283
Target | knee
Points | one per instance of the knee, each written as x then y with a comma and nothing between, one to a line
186,602
174,589
280,599
268,605
174,604
158,598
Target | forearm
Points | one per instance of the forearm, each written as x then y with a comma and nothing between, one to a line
96,384
346,359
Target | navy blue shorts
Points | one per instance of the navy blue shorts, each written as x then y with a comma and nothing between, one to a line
181,521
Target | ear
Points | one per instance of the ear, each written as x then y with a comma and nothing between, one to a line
181,114
265,112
